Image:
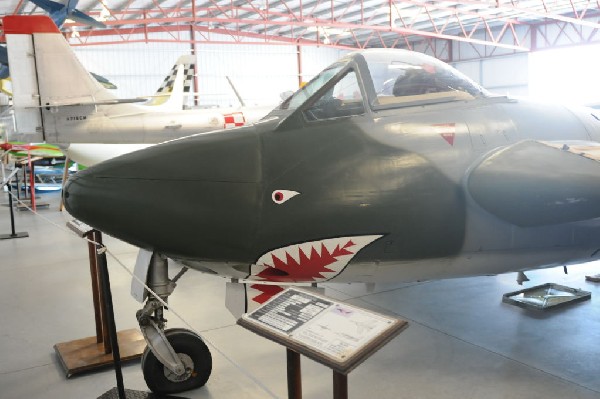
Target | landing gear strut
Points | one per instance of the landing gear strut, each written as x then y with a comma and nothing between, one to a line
175,360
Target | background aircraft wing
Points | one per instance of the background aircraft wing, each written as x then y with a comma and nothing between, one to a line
78,16
48,5
3,55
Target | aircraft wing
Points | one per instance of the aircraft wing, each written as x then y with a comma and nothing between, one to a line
103,81
115,101
48,5
3,55
79,16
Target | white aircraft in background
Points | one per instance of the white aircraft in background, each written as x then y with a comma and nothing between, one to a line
169,96
57,101
176,85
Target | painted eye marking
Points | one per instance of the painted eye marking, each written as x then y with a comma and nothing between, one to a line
280,196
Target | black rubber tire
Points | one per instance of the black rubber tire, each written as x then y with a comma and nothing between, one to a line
184,342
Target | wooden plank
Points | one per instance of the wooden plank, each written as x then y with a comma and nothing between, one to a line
87,354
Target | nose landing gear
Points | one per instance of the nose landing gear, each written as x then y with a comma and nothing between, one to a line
191,351
175,360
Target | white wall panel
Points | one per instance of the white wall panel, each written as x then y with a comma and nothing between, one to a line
470,68
498,71
259,72
506,75
137,69
315,59
568,75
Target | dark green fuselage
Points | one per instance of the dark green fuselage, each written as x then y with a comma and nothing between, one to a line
450,189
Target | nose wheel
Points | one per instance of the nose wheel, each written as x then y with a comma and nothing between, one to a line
192,352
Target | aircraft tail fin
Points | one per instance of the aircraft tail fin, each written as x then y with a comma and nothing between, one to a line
63,80
176,85
47,77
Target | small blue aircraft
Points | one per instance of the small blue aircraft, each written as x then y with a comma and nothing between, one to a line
60,12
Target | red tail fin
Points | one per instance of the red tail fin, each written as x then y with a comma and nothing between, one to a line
28,24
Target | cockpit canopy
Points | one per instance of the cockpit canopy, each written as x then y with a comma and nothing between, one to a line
390,78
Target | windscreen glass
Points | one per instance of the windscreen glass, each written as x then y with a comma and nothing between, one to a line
343,99
405,78
311,87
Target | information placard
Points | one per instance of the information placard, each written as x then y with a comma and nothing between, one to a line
336,334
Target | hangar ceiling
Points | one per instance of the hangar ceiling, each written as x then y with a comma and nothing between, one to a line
489,27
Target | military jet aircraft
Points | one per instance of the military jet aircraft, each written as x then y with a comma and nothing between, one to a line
57,101
388,166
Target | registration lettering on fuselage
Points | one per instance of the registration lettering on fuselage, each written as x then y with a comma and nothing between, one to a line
76,118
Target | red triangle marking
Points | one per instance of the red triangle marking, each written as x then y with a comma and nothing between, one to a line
449,137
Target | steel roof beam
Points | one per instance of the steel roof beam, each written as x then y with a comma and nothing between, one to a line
513,6
133,33
402,22
230,12
327,24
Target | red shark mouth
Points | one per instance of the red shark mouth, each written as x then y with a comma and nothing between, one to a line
310,262
265,292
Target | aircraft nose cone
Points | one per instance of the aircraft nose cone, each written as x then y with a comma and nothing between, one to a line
194,197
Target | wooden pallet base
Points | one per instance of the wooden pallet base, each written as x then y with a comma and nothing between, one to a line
87,354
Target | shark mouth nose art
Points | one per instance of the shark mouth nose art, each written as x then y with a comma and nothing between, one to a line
314,261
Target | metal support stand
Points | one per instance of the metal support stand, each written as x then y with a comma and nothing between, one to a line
13,234
31,181
340,385
112,330
18,186
65,176
294,375
29,200
96,352
26,197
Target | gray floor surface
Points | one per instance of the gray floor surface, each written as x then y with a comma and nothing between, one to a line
462,341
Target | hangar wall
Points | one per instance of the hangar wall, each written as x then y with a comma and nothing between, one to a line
138,68
507,74
259,72
262,72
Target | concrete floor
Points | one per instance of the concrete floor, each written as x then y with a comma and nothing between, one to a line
462,341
